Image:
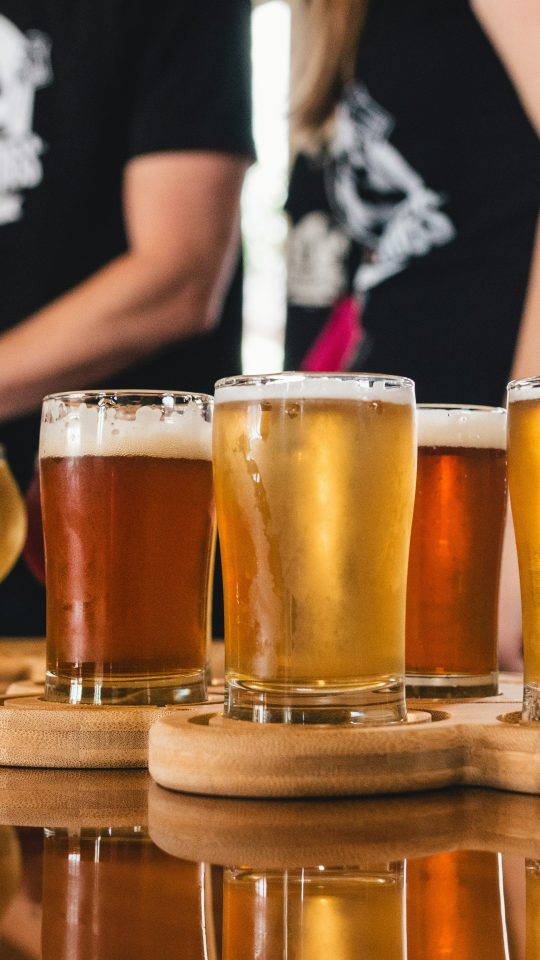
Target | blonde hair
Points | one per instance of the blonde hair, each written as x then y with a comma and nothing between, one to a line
327,62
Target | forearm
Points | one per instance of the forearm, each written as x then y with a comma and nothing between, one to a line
133,306
526,361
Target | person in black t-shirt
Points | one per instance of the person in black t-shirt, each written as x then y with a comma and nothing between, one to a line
420,119
124,138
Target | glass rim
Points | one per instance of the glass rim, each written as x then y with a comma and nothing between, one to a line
466,407
291,376
123,393
523,382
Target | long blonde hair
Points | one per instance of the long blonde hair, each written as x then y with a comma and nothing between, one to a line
327,61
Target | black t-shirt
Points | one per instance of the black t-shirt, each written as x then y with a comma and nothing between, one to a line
434,172
86,85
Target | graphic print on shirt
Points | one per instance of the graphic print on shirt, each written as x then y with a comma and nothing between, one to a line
25,66
316,252
384,203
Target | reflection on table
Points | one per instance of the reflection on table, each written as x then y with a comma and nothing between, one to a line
462,888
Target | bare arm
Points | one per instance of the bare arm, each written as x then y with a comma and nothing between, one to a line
514,30
182,224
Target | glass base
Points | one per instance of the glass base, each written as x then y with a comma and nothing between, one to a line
380,703
531,702
452,685
129,691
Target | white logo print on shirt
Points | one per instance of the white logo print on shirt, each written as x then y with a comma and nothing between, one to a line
384,203
24,67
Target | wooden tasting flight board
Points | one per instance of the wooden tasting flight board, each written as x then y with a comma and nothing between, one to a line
445,743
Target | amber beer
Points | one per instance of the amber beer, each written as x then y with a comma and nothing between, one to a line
129,529
314,914
314,481
112,894
455,907
524,482
456,543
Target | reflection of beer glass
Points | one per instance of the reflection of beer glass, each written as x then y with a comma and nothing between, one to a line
12,518
314,491
524,482
114,894
532,887
314,914
455,907
456,543
129,529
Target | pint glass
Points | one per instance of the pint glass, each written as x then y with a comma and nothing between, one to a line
128,520
314,478
524,482
456,544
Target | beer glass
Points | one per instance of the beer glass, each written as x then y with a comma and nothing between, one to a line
314,478
455,555
12,518
110,893
126,481
524,482
315,913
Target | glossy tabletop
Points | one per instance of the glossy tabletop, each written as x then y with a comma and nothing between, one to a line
109,865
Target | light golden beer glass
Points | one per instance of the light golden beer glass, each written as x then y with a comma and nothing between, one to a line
314,478
128,518
524,483
455,555
12,518
322,913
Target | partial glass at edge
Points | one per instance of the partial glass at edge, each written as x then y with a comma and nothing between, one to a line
455,555
314,478
524,483
128,517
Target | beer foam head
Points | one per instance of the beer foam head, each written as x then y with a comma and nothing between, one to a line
154,430
528,389
323,386
462,427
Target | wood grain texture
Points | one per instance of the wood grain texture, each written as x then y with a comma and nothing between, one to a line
468,743
73,798
290,834
34,733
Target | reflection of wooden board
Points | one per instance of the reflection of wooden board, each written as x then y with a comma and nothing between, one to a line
21,659
273,834
73,798
473,743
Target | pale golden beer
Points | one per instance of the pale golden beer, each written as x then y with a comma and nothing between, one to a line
12,518
129,534
532,887
524,483
314,479
314,914
455,555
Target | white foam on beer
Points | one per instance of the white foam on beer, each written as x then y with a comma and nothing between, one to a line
525,392
445,427
317,388
100,431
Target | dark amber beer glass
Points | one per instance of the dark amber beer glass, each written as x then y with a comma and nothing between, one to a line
111,894
455,907
128,516
524,481
456,544
314,479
